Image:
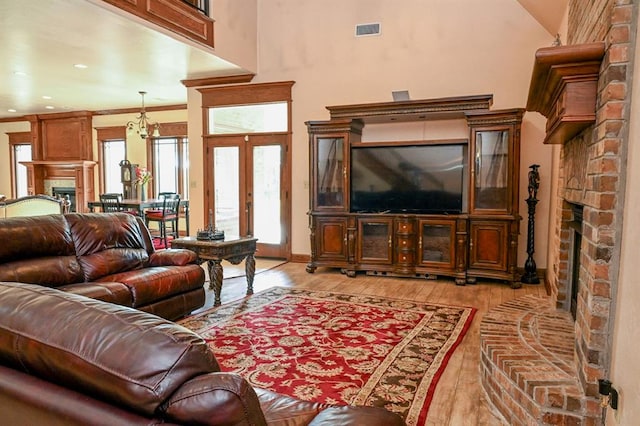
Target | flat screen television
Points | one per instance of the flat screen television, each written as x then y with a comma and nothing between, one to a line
421,179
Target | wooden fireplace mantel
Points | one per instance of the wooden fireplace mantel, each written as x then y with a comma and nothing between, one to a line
79,171
564,88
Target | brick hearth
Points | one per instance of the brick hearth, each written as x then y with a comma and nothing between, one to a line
527,365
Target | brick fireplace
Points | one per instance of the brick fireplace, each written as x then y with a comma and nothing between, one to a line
529,378
591,170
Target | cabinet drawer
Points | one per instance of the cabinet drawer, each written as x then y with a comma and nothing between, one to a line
404,227
405,243
405,257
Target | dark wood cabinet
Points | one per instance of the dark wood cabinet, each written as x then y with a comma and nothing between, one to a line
488,245
494,196
478,240
331,239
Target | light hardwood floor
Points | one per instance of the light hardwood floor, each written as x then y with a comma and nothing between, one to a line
459,399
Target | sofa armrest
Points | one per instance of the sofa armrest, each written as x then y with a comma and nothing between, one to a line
172,257
215,399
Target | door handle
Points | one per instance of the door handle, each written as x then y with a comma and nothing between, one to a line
248,211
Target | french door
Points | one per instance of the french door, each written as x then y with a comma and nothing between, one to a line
248,188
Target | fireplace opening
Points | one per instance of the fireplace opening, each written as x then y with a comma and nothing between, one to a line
575,227
64,191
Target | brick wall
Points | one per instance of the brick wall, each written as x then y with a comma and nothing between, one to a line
592,168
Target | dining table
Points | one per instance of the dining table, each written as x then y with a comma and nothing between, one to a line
140,206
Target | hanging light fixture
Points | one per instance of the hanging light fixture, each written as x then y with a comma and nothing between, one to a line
142,125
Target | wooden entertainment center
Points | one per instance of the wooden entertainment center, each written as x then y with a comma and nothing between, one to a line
477,238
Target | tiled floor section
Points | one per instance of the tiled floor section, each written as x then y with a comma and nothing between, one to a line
527,365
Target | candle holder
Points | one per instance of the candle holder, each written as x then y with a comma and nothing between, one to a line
210,233
530,274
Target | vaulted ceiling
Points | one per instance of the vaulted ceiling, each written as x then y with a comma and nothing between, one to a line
43,41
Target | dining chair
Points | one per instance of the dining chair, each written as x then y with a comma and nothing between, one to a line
161,196
110,202
167,217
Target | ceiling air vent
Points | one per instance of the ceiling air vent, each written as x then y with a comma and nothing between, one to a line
367,29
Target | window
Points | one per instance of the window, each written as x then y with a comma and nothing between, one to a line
19,150
170,165
113,152
112,149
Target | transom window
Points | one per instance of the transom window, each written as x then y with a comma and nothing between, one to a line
252,118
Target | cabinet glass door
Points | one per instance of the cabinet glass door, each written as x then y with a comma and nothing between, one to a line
437,243
375,240
491,186
330,177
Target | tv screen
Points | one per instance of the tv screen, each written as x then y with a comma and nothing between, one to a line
423,179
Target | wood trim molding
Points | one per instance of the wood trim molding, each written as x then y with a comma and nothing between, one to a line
110,133
101,112
18,138
218,81
427,109
137,109
246,94
178,129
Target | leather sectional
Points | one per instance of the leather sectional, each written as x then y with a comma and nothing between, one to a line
69,360
104,256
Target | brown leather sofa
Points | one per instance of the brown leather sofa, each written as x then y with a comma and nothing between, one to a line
69,360
105,256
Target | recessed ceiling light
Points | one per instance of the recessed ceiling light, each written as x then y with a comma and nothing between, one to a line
80,66
46,97
50,107
20,73
12,110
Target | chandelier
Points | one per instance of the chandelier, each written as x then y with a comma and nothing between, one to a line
142,125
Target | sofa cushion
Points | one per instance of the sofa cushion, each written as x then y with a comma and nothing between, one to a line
107,243
112,292
215,399
121,355
47,271
148,285
38,250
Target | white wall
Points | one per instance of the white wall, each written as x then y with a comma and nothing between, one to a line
235,31
432,48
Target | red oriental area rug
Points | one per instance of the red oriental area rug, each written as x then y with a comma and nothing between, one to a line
337,348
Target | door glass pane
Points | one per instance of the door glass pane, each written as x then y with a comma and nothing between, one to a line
330,174
492,149
375,240
226,167
436,243
266,194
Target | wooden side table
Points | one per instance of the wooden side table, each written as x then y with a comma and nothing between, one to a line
232,249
